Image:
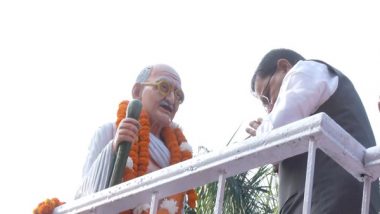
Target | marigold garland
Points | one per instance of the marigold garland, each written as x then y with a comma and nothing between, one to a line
186,154
173,138
171,142
47,206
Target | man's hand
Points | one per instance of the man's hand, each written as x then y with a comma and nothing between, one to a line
253,125
252,131
127,131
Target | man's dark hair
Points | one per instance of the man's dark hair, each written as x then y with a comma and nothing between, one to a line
268,64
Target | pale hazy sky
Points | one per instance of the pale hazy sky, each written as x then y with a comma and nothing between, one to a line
65,66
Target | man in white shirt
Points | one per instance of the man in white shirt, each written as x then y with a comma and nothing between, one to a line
292,88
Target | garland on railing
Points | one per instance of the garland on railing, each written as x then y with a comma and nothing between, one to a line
47,206
138,161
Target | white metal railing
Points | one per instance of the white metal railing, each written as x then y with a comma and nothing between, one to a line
317,131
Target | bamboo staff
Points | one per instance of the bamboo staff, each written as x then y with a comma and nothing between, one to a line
133,111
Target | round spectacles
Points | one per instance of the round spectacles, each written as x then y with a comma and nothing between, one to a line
165,88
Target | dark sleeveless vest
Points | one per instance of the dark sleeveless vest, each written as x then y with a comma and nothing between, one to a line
335,191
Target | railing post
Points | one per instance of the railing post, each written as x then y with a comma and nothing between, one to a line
306,209
366,194
154,203
218,209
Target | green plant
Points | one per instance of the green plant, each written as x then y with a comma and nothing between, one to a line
250,192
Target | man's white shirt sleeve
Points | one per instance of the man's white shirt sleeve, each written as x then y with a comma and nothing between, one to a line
304,89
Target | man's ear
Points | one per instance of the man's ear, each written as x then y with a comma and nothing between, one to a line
284,65
137,91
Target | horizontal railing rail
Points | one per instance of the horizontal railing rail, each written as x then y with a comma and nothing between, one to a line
315,132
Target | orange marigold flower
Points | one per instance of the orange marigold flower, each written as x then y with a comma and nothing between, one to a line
192,196
47,206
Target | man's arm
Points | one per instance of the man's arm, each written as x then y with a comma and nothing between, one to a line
304,89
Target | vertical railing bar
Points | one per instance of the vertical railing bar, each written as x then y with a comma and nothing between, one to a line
306,209
218,209
366,195
154,203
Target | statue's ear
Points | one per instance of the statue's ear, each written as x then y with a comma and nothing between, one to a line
137,91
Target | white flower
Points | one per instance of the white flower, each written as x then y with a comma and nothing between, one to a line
170,205
129,164
174,125
185,146
141,208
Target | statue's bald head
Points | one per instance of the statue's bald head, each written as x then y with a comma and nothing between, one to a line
147,71
158,87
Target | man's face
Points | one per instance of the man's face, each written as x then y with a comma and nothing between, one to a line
267,90
161,108
263,86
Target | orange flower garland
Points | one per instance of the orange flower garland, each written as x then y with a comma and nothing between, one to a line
47,206
173,138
